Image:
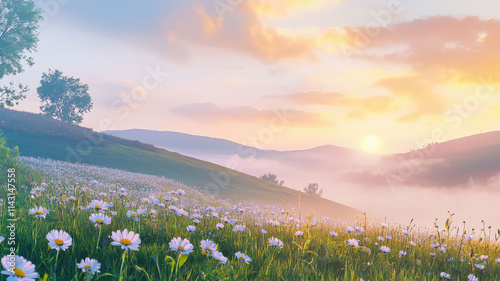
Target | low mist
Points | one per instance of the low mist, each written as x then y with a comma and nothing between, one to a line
396,204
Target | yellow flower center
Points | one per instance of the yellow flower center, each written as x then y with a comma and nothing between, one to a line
138,215
242,258
99,221
58,242
19,273
180,248
125,241
210,248
38,212
238,230
97,207
133,215
87,266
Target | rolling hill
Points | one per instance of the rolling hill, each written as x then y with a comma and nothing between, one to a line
40,136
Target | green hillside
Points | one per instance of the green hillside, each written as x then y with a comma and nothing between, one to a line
40,136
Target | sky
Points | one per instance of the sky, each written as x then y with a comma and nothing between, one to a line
379,76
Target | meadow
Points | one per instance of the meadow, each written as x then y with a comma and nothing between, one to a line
75,222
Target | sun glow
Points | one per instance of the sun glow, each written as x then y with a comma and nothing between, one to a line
370,144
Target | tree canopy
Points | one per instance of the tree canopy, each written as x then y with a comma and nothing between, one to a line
272,178
64,98
18,35
313,189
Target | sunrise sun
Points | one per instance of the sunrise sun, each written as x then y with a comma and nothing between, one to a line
370,144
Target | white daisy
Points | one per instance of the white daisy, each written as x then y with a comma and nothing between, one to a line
126,239
89,264
184,247
275,242
59,239
243,258
18,269
39,212
99,219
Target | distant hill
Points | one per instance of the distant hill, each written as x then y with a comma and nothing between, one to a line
40,136
456,162
473,159
206,147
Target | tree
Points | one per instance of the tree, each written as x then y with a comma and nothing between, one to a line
312,189
272,178
64,98
18,35
7,155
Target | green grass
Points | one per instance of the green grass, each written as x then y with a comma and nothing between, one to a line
316,255
39,136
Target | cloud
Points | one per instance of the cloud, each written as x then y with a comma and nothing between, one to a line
285,7
418,91
209,112
239,30
462,49
360,107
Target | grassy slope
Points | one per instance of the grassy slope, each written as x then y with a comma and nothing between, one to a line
39,136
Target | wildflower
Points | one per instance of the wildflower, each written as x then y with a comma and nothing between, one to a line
380,238
113,213
298,233
402,253
483,257
353,242
219,256
239,228
126,239
191,228
442,249
497,260
243,257
153,213
89,264
136,215
98,205
39,212
197,221
388,237
208,245
184,247
350,230
334,234
19,270
470,238
59,239
385,249
471,277
99,219
405,232
263,231
413,243
445,275
275,242
479,266
2,239
219,225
